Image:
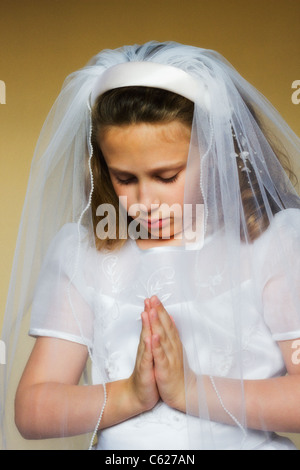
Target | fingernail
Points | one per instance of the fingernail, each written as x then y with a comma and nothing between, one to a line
154,301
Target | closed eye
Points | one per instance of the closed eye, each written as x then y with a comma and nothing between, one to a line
127,180
168,180
133,179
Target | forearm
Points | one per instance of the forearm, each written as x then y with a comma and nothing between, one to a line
49,410
121,403
273,404
270,404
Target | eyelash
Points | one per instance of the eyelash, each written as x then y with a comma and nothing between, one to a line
162,180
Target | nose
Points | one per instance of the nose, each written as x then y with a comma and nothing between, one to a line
147,197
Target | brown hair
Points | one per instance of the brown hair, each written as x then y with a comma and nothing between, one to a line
134,105
257,218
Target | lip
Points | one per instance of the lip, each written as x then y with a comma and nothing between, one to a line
155,223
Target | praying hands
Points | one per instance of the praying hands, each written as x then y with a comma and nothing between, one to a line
159,371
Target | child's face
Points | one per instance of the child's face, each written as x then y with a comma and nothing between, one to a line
147,165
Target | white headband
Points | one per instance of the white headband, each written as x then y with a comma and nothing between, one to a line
154,75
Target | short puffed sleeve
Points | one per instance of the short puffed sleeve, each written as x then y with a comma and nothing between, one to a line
281,272
61,306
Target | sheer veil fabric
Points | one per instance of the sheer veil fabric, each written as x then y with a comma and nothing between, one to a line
233,292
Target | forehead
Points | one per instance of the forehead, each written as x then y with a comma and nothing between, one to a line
152,141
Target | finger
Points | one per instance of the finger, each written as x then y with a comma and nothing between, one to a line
146,358
146,326
148,349
157,327
167,322
147,305
144,352
161,337
158,351
169,340
145,332
162,312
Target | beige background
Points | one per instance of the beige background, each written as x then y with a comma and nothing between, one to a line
42,41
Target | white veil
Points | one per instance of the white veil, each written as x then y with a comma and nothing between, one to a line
233,296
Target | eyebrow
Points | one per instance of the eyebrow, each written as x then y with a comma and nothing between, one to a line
175,167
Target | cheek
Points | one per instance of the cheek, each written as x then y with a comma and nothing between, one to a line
124,193
120,190
175,194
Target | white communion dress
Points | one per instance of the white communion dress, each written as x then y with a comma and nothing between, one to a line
108,293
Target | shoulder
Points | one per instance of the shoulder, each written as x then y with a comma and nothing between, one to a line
288,219
67,244
280,243
75,240
69,232
284,227
72,234
285,230
64,241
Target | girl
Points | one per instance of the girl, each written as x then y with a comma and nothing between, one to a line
164,237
